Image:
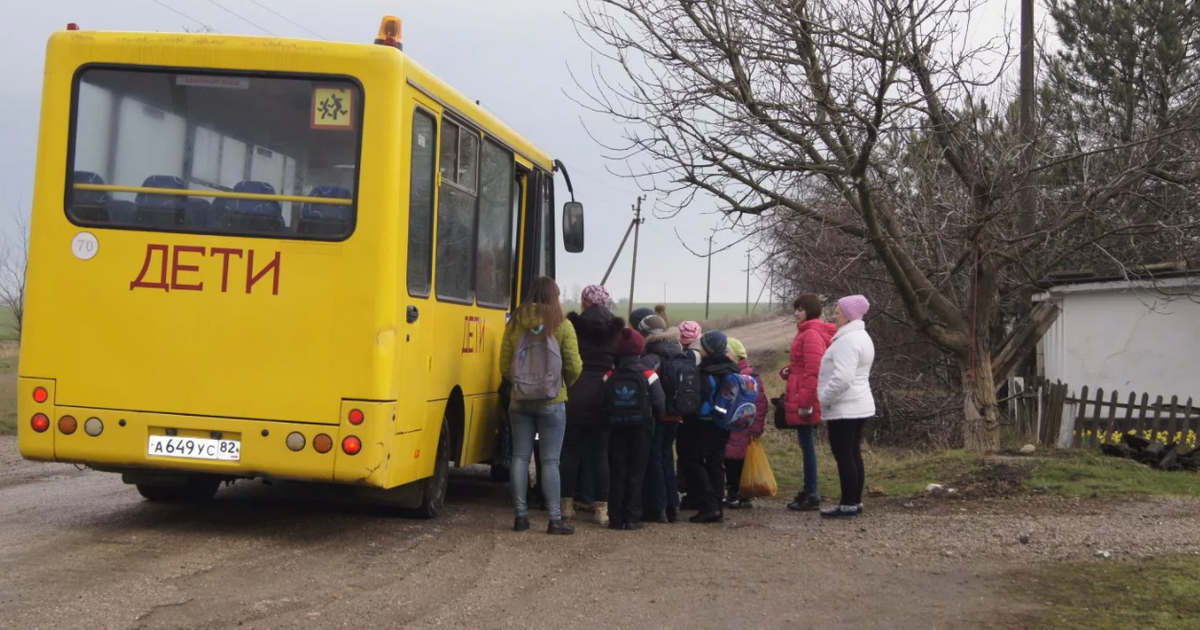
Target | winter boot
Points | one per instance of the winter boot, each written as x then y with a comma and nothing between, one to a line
568,508
601,508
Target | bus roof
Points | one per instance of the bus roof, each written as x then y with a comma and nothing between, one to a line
269,48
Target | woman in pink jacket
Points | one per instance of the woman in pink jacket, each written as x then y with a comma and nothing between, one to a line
803,410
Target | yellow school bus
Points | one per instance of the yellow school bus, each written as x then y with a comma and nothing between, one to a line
264,257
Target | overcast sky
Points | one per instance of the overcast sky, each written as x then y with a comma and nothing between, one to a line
512,55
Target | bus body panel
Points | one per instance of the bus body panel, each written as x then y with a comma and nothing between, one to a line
184,331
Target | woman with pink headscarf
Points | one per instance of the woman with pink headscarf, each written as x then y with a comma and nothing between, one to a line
844,392
585,444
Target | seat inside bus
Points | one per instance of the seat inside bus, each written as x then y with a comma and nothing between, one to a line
255,215
325,218
167,211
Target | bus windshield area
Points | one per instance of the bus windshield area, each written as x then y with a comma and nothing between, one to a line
215,153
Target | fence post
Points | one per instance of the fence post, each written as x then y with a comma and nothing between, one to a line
1171,420
1112,417
1158,403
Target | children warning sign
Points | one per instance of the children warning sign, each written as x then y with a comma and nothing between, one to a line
333,108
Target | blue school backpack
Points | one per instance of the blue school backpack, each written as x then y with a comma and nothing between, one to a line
733,403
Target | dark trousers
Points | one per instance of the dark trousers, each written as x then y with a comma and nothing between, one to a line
706,466
662,486
590,444
628,452
733,476
845,440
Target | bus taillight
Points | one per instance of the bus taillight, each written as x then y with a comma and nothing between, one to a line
356,417
40,395
351,445
67,425
322,443
40,422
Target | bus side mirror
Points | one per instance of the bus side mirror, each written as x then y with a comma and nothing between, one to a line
573,226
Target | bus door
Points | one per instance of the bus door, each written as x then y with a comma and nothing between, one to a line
416,302
537,229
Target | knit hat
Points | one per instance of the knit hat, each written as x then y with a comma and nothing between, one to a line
715,343
595,295
689,332
739,351
854,307
631,342
638,315
652,325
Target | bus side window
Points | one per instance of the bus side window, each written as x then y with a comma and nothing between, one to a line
420,204
493,263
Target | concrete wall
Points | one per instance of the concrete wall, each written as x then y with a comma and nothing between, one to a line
1128,339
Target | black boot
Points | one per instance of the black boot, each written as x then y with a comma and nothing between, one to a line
672,514
707,517
560,527
521,523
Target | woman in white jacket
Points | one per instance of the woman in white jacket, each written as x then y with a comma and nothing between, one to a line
844,390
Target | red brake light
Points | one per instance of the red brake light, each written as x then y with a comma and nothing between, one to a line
356,417
351,445
40,395
40,422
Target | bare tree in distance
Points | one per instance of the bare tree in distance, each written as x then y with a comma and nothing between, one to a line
14,258
877,125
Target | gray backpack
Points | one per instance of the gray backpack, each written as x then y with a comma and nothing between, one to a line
536,367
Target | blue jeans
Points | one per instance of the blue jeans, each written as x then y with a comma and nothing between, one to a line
662,486
807,435
548,423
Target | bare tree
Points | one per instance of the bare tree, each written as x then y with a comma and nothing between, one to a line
14,256
876,123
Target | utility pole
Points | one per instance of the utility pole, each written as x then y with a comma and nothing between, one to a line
708,282
637,224
747,283
1026,195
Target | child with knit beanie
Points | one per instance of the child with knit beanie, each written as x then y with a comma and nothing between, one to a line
706,441
634,404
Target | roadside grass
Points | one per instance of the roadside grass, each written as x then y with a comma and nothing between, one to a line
1079,472
8,395
1137,593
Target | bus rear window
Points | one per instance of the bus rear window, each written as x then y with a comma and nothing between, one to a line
216,154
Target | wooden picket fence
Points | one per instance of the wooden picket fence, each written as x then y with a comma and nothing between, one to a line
1097,420
1099,417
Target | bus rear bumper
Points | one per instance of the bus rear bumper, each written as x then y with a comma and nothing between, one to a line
122,441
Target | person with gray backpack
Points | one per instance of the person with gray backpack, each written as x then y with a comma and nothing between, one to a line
539,355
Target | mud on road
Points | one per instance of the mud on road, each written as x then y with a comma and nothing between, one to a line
80,549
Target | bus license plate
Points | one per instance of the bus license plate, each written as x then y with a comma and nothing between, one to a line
194,448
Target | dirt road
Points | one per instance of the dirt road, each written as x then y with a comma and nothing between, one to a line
79,549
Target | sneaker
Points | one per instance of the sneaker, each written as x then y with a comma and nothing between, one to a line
840,511
746,504
805,503
732,502
584,507
707,517
858,508
521,523
672,515
617,525
635,526
560,528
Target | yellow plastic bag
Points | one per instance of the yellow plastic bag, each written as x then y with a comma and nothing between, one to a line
757,478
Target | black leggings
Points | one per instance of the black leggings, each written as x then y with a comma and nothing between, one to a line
845,440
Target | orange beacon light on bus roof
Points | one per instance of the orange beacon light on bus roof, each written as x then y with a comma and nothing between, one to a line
389,32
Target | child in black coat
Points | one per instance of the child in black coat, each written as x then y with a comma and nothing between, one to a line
634,404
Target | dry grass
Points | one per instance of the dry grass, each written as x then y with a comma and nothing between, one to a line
8,389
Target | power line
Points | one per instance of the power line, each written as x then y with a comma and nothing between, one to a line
288,20
178,12
238,16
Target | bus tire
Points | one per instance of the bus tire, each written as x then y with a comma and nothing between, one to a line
197,489
433,495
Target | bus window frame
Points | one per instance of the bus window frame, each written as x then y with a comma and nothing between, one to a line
69,190
432,260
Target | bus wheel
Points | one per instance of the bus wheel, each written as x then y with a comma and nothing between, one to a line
197,489
434,492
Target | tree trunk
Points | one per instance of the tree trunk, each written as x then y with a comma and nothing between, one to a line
981,415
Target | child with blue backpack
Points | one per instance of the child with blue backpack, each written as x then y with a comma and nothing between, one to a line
724,407
634,405
739,441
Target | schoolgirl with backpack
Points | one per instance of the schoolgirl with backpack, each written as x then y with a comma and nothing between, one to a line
634,405
539,355
680,377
